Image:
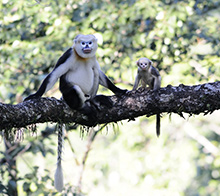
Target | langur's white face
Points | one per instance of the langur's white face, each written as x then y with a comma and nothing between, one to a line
85,45
144,63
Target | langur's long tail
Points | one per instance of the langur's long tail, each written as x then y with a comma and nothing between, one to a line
58,177
158,125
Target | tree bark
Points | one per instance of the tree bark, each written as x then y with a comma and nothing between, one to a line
195,99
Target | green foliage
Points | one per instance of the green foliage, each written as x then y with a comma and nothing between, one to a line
34,35
182,39
35,184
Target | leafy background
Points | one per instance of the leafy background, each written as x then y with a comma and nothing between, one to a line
180,37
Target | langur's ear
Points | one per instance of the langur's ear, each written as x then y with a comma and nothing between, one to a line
151,63
77,37
94,37
75,40
137,62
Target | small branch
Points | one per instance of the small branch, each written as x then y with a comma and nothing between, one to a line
91,139
26,148
72,149
203,141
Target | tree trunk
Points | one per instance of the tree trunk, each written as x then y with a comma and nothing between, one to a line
188,99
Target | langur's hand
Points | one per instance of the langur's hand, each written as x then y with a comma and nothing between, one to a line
121,92
32,96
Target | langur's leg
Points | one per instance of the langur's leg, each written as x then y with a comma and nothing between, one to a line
74,97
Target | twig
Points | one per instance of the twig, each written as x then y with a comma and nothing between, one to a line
91,138
72,149
203,141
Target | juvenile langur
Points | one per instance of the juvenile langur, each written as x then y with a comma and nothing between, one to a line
150,76
80,76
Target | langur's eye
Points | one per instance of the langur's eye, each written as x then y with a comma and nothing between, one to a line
141,63
83,43
90,43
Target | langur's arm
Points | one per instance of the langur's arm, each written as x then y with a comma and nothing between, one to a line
61,68
137,80
104,81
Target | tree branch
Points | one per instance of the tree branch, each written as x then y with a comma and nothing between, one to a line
195,99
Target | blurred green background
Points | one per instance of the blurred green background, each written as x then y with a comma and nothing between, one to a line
180,37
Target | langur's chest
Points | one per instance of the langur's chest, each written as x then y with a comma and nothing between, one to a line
83,76
145,74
